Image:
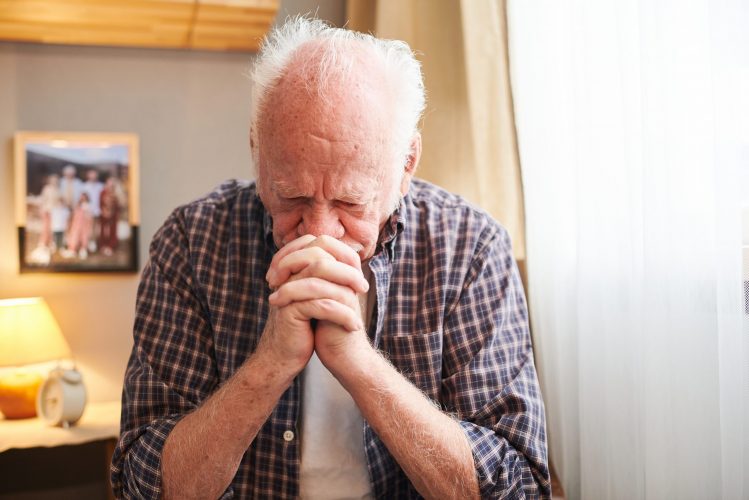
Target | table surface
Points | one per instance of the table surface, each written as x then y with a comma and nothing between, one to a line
99,421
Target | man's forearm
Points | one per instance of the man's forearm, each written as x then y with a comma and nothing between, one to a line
203,451
431,447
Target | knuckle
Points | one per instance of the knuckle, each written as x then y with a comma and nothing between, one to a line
304,273
316,285
316,253
281,264
328,305
318,266
281,293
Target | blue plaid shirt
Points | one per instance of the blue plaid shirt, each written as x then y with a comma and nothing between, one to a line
450,316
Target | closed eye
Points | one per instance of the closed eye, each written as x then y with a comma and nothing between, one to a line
295,199
350,205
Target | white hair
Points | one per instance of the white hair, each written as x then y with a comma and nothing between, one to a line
401,69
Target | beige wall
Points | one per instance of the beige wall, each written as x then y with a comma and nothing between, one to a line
189,109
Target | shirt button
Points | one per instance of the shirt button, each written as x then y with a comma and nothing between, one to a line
288,436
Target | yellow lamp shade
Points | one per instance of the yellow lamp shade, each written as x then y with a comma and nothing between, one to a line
29,333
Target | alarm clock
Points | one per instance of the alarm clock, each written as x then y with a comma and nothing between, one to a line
62,397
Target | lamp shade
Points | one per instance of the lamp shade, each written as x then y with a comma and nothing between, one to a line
29,333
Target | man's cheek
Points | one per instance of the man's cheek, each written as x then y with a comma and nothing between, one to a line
287,238
282,237
284,230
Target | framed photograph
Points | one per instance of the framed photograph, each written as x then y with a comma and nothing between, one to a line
77,201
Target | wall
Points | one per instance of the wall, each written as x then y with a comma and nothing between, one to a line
190,110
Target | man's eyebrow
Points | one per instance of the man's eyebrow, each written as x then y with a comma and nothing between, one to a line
287,190
355,193
357,197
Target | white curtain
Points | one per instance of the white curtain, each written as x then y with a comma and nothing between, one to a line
633,134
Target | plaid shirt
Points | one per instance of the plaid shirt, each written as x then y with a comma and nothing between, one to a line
450,316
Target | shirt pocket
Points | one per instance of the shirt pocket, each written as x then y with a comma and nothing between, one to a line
418,357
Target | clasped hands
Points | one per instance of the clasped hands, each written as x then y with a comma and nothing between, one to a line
315,278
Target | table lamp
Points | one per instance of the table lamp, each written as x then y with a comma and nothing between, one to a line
28,334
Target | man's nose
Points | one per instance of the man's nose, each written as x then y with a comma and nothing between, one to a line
321,220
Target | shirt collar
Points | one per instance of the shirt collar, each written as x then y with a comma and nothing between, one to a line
393,228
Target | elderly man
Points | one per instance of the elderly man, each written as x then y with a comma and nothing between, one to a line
338,329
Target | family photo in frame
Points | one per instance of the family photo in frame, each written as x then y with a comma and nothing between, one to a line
77,201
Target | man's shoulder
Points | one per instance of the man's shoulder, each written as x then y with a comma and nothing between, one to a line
233,201
225,197
449,212
231,208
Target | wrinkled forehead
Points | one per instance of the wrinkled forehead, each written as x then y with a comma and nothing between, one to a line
345,123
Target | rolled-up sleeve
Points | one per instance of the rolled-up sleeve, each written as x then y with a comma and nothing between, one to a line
490,381
171,368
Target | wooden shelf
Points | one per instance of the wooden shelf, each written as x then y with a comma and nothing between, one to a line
221,25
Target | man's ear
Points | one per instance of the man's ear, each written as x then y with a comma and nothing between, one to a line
254,154
412,162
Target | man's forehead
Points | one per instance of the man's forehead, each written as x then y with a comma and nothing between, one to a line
298,145
341,131
358,106
302,132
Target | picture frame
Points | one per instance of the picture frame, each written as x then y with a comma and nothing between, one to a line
77,201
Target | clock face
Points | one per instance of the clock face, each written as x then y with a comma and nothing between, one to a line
62,397
51,401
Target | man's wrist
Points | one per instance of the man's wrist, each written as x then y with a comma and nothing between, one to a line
354,366
272,368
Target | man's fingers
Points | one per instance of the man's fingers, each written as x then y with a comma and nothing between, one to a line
329,310
333,271
292,246
294,262
318,263
310,257
341,251
309,289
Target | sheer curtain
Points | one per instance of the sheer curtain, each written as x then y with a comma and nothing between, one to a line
633,133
